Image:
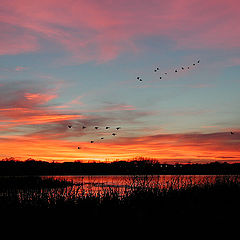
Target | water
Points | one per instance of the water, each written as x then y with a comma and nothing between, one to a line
79,187
123,184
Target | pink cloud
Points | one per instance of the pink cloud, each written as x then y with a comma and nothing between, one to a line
39,98
13,69
100,31
76,101
23,107
15,40
119,107
19,68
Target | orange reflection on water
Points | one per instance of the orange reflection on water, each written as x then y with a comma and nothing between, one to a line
125,184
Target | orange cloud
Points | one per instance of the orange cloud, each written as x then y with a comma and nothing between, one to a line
195,147
47,118
39,98
24,107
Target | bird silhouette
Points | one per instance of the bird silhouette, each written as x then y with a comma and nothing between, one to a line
118,128
78,147
107,127
232,132
175,70
138,78
83,127
114,134
102,137
198,61
157,68
92,142
69,126
96,127
188,67
193,64
165,73
182,68
160,77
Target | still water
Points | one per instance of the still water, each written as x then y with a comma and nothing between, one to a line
125,183
32,191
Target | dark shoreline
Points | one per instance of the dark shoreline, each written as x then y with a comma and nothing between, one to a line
143,204
143,167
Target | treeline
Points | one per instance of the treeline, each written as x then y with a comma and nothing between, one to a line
32,167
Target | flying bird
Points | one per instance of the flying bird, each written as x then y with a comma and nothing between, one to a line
69,126
79,148
92,142
96,127
83,127
193,64
107,127
102,137
232,132
118,128
165,73
175,70
182,68
198,61
114,134
160,77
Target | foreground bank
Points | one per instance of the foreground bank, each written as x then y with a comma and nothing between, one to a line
216,201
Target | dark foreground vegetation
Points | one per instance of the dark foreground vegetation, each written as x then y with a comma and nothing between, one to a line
139,202
11,167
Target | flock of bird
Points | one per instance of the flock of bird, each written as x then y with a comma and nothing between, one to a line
140,79
176,70
96,128
165,73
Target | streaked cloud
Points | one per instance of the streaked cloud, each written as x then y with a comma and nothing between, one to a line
102,31
22,104
194,147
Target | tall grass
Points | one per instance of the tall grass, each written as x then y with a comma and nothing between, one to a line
139,197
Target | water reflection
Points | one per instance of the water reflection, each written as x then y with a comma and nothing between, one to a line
49,191
123,185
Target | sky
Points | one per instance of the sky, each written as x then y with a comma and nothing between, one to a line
76,62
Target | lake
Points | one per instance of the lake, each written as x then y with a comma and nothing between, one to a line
123,184
59,191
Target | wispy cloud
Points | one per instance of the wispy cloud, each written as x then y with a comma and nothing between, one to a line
210,146
117,107
13,69
101,31
20,68
31,105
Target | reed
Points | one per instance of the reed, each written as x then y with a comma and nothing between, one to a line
141,196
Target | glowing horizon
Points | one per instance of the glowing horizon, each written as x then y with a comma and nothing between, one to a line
76,64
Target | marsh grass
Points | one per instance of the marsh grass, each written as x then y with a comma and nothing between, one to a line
139,198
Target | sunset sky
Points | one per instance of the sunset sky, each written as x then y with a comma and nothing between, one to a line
75,63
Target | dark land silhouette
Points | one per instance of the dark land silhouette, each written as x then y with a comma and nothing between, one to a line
11,167
142,203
